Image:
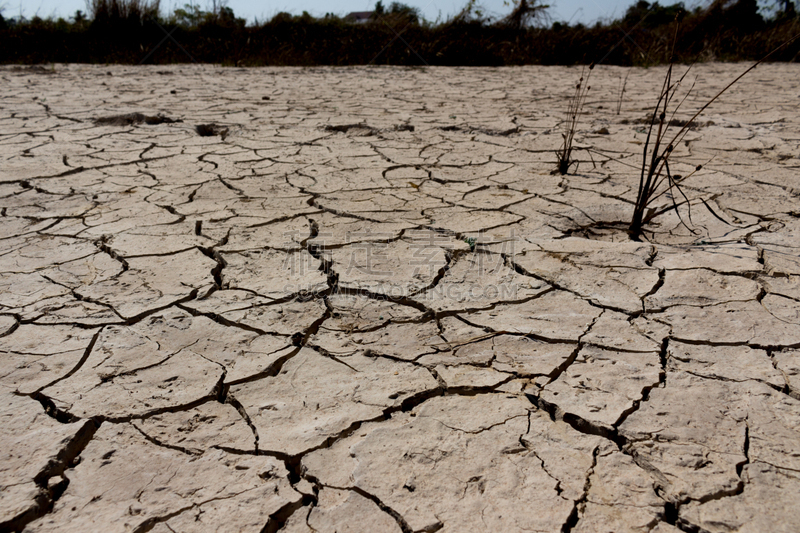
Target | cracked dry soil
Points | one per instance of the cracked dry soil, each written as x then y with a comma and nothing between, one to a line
358,300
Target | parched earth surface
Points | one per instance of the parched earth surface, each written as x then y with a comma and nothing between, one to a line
359,300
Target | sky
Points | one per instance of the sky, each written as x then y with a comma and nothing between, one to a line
573,11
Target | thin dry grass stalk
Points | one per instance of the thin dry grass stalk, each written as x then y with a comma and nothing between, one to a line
571,124
622,91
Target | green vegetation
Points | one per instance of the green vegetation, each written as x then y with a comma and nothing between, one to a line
135,31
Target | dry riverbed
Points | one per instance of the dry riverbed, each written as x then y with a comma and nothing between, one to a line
358,299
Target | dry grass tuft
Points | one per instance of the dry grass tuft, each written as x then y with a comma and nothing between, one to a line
656,179
564,155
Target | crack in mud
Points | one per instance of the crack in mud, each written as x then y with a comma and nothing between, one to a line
122,227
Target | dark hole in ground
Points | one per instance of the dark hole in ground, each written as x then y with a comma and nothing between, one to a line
602,231
359,129
675,122
485,131
134,118
210,130
33,69
362,129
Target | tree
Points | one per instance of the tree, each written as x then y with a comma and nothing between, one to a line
782,10
403,13
471,13
189,16
110,12
647,15
743,15
524,15
226,18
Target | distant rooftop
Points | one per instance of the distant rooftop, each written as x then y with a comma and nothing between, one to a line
359,16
